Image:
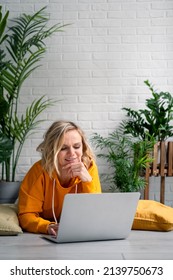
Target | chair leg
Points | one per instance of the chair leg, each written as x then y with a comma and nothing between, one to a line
146,190
162,189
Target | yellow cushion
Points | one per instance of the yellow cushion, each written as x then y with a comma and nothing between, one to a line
9,224
153,215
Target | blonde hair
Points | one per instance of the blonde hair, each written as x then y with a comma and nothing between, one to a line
53,141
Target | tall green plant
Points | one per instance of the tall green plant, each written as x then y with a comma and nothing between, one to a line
126,158
21,49
155,120
6,145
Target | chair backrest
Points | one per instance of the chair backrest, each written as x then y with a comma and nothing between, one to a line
170,159
162,166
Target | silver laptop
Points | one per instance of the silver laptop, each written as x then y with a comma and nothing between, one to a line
89,217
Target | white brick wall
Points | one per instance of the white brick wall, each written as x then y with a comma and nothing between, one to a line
98,65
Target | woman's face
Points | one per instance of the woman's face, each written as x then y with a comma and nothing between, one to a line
72,148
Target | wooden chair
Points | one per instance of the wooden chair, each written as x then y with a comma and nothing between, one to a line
161,166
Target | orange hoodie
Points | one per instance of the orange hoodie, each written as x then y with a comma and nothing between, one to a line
36,192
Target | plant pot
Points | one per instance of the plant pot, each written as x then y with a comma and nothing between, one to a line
9,191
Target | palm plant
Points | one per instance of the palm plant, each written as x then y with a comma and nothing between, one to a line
21,49
155,120
5,143
126,158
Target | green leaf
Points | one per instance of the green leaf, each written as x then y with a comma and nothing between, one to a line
6,147
3,23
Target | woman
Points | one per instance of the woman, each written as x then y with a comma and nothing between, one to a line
67,166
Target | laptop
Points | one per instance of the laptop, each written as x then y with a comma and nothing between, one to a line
94,217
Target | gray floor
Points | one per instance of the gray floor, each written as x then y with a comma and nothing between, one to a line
140,245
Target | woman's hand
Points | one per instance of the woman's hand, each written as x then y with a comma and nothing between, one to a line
78,169
52,229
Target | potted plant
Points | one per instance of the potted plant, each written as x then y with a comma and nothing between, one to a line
155,120
126,157
22,47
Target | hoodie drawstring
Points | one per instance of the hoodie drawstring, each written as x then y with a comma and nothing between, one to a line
53,202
